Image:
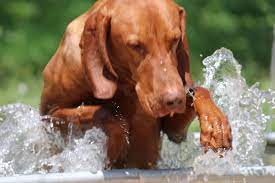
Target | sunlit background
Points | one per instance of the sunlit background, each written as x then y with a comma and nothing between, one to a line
30,31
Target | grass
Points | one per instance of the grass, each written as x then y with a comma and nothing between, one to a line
28,91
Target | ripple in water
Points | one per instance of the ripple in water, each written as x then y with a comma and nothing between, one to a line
244,107
29,145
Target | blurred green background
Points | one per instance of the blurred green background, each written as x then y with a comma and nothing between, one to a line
30,31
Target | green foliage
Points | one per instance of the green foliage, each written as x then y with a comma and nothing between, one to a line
245,27
30,31
25,91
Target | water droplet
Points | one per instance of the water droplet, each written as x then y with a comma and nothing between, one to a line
33,146
243,106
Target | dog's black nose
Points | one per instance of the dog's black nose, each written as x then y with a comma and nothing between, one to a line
174,99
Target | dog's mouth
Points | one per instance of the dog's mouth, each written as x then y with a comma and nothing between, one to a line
155,107
157,110
160,112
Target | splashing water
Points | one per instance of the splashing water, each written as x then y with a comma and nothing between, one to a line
242,105
178,156
29,145
244,108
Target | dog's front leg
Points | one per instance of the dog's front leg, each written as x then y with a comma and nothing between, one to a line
176,127
215,128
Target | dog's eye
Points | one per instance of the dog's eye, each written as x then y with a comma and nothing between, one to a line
136,46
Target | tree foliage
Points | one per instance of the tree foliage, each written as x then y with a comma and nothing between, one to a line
245,27
30,32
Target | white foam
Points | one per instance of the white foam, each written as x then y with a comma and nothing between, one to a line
29,145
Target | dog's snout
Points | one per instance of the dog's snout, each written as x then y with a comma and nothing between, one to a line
174,99
173,102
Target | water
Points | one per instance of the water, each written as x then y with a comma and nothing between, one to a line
28,145
244,107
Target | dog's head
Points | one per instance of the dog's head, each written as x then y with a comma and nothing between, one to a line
142,40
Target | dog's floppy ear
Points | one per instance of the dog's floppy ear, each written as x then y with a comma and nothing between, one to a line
95,58
183,53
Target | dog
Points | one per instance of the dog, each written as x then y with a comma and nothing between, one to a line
123,66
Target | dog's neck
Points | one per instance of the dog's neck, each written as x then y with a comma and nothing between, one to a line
126,88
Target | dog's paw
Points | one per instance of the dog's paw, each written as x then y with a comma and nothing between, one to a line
215,128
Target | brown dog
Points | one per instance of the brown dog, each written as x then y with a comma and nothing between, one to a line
126,64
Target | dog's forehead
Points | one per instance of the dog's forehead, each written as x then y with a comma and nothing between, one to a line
145,16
